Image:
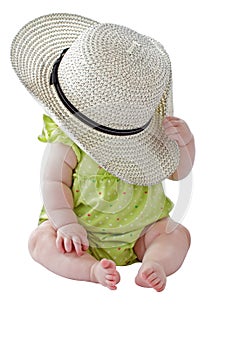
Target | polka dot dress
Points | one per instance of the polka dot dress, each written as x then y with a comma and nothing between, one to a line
113,212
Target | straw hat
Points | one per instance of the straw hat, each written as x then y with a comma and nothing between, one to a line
107,86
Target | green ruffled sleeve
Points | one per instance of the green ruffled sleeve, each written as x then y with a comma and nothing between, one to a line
52,133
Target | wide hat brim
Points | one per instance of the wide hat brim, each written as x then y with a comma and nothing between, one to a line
145,158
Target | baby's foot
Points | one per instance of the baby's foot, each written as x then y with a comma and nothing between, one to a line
105,273
151,275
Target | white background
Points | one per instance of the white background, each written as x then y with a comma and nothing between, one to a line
40,310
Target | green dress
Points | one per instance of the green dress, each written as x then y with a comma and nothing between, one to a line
113,212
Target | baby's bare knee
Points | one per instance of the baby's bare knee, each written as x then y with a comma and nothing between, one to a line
182,230
166,227
32,242
187,234
39,237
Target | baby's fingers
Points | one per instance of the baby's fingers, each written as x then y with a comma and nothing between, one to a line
78,249
85,246
59,244
171,130
172,122
67,245
64,244
85,243
80,246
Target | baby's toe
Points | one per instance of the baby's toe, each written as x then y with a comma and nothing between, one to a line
152,277
147,273
111,284
111,277
157,284
160,286
108,264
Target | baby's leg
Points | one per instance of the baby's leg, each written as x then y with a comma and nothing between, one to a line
42,247
162,250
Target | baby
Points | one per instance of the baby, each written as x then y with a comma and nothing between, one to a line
112,139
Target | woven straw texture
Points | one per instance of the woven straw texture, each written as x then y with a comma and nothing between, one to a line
113,75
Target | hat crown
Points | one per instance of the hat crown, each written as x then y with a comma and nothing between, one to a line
115,76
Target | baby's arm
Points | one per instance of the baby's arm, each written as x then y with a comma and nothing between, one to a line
177,130
56,180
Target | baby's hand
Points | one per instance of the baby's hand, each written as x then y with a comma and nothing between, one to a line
72,235
176,129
